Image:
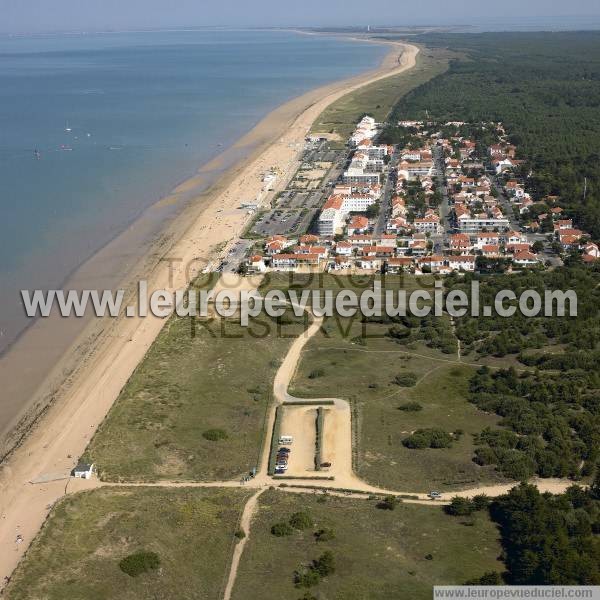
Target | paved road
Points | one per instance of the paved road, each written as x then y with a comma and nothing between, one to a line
386,197
506,205
439,241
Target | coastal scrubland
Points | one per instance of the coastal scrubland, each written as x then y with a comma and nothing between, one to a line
374,553
547,391
400,376
378,99
91,540
195,408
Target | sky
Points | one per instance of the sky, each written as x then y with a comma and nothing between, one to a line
20,16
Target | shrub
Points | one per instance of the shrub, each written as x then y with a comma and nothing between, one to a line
405,379
481,502
388,503
282,529
489,578
325,564
411,407
139,562
214,435
428,438
398,332
316,373
240,534
517,465
306,578
301,520
485,456
324,535
460,507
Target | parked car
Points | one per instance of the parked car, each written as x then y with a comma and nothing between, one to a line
434,495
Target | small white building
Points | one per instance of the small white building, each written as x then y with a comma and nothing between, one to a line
83,471
257,264
462,263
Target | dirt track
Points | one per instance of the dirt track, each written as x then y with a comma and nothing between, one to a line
245,522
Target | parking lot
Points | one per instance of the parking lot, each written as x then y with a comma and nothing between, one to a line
320,152
300,423
292,215
235,256
294,209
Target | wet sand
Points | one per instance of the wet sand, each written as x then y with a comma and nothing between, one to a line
62,411
45,357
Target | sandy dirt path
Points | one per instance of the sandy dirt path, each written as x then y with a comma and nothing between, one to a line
66,429
245,522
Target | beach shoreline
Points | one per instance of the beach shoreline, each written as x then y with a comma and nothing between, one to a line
88,378
56,345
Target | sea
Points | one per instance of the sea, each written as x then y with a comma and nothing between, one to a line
96,128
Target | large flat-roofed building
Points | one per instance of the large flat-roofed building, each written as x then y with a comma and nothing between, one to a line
359,176
337,209
468,224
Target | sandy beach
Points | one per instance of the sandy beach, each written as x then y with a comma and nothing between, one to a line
82,386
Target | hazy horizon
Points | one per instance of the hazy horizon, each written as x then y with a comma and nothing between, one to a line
39,16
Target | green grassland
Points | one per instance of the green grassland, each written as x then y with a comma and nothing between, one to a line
77,554
218,378
221,378
379,554
364,375
358,362
379,98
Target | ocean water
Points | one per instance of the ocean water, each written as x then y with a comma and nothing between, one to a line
96,128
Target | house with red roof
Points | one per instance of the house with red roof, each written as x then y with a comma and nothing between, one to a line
460,243
462,263
525,259
357,224
399,264
343,248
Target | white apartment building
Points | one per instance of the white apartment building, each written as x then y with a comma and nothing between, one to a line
337,208
429,224
365,130
468,224
359,176
331,221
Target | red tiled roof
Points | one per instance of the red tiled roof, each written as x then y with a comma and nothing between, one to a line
525,256
334,201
